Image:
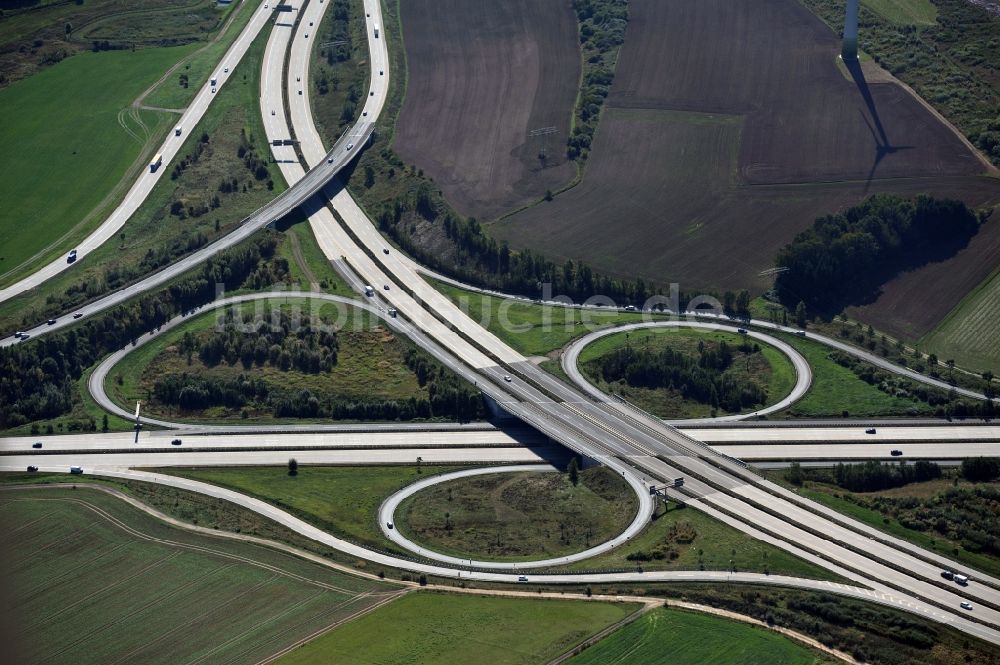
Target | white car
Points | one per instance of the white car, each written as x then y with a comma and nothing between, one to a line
213,91
225,70
506,377
350,145
966,605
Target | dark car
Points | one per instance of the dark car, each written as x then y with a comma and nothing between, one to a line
947,574
389,524
896,453
742,331
36,444
385,250
51,322
71,257
870,430
32,468
78,315
175,442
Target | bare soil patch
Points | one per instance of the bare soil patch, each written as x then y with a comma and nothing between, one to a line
481,78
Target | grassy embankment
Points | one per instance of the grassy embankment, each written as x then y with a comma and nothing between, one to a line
230,599
519,516
769,369
903,503
339,69
444,629
678,637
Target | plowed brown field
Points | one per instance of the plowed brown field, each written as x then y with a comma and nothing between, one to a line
729,128
482,77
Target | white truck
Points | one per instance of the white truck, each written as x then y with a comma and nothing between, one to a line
376,31
155,164
178,130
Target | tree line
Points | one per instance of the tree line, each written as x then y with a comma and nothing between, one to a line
844,259
447,396
873,476
38,378
704,378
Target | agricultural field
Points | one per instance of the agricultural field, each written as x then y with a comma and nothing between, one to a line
481,78
60,170
80,555
223,173
676,637
703,169
456,629
519,516
342,500
769,369
969,334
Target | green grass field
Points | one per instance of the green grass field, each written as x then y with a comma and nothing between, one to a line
904,12
86,589
343,500
769,369
61,166
438,629
232,121
691,540
836,389
534,330
969,334
519,516
678,637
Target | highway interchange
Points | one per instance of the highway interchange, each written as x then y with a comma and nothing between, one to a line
643,449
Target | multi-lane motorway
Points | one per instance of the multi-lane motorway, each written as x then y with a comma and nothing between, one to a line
625,439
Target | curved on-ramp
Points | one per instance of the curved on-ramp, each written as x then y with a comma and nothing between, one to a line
387,512
803,373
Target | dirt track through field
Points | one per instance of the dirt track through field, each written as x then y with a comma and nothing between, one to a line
482,76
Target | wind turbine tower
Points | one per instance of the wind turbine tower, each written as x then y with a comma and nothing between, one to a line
849,50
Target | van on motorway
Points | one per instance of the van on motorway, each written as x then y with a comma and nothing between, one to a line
522,578
369,291
178,130
961,579
76,470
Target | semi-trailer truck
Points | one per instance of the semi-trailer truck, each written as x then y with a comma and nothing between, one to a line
155,164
